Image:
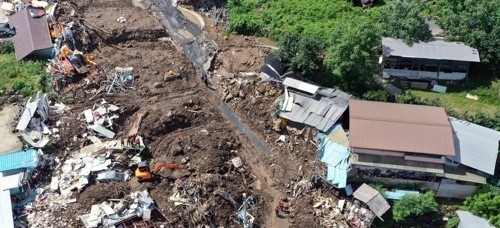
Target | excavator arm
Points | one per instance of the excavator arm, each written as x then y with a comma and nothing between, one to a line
159,166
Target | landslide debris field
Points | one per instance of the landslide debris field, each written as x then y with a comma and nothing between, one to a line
176,104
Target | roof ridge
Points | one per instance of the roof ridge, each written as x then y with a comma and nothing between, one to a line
394,121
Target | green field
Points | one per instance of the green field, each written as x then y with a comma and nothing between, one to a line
27,76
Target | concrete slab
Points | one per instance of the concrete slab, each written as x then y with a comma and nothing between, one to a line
9,141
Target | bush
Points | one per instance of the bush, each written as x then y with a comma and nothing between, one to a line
453,222
376,95
414,205
486,203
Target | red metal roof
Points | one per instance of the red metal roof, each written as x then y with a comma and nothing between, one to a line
32,34
400,127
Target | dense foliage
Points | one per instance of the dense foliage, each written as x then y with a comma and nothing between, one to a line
300,53
352,56
474,22
486,203
414,205
26,76
405,21
453,222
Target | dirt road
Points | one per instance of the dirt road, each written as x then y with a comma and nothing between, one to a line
9,141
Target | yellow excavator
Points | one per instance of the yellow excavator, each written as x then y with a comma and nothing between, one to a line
143,173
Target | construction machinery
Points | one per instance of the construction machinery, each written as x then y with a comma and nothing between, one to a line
143,173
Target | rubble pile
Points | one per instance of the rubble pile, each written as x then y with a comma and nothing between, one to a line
39,122
358,214
100,118
329,212
125,211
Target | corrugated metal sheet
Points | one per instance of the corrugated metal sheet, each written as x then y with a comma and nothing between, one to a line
397,163
6,218
32,34
300,85
321,113
476,146
436,49
10,182
468,220
20,159
373,199
400,127
336,157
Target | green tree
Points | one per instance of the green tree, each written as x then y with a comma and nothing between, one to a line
300,53
376,95
474,22
453,222
486,203
352,57
405,21
414,205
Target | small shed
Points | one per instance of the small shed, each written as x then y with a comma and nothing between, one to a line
373,199
32,33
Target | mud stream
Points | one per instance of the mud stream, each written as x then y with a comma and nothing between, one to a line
198,50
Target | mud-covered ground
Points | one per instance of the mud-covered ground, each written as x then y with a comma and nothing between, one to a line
184,107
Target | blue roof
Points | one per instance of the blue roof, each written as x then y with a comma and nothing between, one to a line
399,194
336,157
19,160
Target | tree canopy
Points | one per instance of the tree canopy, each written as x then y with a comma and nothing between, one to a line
474,22
414,205
300,53
352,55
486,203
405,21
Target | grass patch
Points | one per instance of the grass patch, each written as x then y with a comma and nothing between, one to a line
26,76
488,102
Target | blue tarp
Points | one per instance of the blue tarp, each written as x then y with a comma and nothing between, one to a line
399,194
336,157
19,159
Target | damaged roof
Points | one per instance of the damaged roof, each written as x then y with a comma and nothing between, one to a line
300,85
320,113
400,127
32,33
373,199
436,49
476,146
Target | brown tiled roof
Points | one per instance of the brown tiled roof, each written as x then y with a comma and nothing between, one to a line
400,127
32,34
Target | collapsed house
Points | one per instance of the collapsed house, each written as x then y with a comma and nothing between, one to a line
33,120
137,210
16,169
